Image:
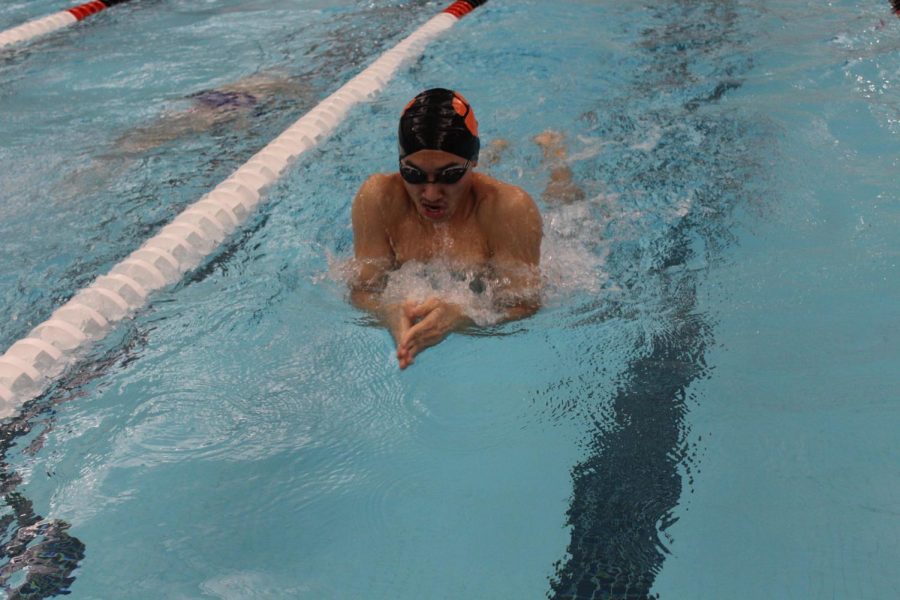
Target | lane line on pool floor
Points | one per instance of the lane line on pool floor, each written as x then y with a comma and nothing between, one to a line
44,25
30,365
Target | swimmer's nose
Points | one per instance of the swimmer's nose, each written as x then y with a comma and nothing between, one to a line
431,192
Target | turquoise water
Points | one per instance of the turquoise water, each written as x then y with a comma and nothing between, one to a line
705,408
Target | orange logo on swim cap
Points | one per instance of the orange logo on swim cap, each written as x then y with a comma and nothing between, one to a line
464,109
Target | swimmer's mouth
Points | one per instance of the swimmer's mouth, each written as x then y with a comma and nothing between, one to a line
433,211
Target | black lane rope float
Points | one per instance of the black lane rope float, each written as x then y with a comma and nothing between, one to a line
58,20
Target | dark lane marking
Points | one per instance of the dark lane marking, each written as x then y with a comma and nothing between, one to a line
42,547
626,490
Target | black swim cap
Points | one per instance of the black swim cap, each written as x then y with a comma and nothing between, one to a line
439,119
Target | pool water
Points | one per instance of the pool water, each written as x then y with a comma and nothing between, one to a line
706,406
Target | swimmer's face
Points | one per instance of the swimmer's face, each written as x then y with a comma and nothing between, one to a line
434,199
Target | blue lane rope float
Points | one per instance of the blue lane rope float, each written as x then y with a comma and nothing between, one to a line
58,20
32,364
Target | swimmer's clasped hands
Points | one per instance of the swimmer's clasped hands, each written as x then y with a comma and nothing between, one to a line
421,325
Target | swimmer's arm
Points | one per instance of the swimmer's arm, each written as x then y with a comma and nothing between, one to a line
367,300
373,255
521,310
516,253
371,301
392,316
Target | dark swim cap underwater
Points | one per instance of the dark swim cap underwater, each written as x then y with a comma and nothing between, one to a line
439,119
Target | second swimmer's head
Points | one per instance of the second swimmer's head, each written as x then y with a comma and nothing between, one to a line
439,119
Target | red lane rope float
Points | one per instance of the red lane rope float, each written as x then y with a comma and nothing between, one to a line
57,20
461,8
87,9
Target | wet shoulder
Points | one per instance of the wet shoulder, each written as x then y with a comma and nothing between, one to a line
500,201
382,192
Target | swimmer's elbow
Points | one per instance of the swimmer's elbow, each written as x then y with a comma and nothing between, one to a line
521,310
368,277
365,299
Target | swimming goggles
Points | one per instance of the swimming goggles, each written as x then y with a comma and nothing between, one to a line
448,176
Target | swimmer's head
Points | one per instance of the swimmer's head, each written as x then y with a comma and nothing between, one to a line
439,119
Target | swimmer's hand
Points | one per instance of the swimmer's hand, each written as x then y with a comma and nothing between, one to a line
424,324
399,324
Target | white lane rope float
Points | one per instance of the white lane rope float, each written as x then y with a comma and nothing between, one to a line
32,364
38,27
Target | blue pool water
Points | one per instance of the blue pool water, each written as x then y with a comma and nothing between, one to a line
706,407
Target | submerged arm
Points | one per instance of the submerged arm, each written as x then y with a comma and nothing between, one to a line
373,256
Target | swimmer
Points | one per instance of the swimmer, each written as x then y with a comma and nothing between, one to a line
437,208
232,103
232,106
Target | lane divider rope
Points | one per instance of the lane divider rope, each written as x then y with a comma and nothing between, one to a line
58,20
32,364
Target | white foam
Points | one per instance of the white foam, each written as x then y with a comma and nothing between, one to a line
574,250
419,281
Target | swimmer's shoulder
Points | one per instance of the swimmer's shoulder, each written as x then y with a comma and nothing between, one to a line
501,201
382,192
